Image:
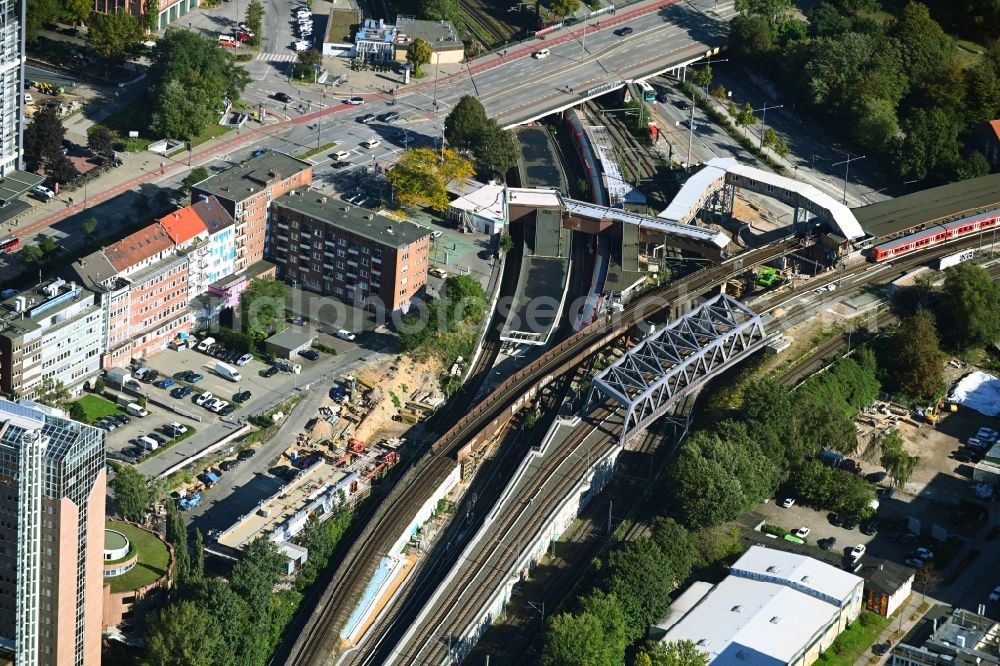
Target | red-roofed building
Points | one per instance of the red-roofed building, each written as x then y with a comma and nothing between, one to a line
143,285
986,139
188,231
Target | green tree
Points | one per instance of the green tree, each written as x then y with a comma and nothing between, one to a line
702,76
506,242
897,462
607,609
151,19
262,307
230,616
77,412
62,170
182,633
677,544
912,361
982,94
191,76
40,12
465,123
257,572
43,138
89,226
970,304
923,44
572,640
306,63
876,126
497,150
751,38
419,53
929,147
177,537
825,19
196,175
421,176
197,569
48,246
182,112
32,254
773,11
53,393
746,117
115,35
441,10
131,489
563,8
673,653
255,20
100,139
641,578
77,11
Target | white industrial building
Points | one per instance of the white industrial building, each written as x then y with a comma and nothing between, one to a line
774,608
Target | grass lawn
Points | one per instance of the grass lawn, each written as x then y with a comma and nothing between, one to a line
153,558
316,151
968,53
855,640
136,116
96,407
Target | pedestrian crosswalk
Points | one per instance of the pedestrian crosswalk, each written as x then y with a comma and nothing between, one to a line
276,57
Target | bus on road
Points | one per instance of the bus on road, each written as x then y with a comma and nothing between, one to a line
648,92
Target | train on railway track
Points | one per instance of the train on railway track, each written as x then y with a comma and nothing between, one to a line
935,235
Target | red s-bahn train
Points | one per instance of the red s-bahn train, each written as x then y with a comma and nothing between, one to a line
934,236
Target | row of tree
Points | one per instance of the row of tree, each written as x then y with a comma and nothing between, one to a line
898,87
468,128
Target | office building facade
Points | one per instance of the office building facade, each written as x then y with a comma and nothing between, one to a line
52,470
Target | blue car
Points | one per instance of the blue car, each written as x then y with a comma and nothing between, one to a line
181,392
165,383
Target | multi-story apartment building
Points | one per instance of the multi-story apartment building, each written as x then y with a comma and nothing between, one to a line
190,237
167,11
220,260
339,250
12,21
246,190
52,495
52,332
142,285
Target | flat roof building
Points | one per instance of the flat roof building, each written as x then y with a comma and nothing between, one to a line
288,343
53,478
336,249
246,192
446,45
54,332
948,636
774,607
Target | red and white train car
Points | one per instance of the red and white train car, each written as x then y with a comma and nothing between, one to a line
934,236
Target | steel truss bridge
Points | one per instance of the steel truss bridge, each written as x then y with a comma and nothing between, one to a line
673,361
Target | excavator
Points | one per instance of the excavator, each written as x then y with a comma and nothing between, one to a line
938,410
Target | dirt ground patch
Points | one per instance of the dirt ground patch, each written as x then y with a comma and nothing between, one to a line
404,379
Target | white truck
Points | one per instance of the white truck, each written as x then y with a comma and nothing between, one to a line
228,371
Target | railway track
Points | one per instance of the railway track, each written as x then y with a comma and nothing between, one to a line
482,21
319,637
451,617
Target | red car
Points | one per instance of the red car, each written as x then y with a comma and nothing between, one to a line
243,36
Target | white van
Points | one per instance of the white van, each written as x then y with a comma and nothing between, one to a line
148,443
205,344
228,372
135,409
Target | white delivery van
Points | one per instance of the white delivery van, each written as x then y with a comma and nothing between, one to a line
205,344
228,371
135,409
148,443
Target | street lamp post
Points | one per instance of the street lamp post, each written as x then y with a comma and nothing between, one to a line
763,120
847,167
691,119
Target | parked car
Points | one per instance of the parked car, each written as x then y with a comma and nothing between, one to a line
345,335
915,562
219,405
121,419
242,397
802,532
43,192
243,360
869,527
159,439
828,543
881,648
875,477
202,398
246,454
229,465
850,522
175,429
788,503
269,372
310,354
355,101
858,551
227,410
837,519
181,392
194,377
165,383
301,45
389,117
371,144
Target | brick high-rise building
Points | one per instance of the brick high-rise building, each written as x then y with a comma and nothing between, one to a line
246,192
52,495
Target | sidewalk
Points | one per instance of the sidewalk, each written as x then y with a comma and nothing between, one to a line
900,625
